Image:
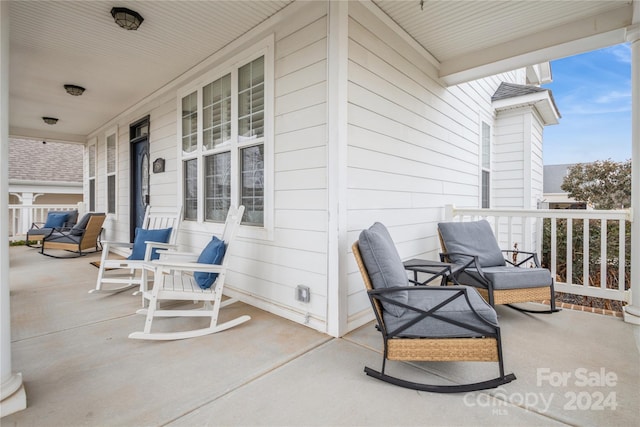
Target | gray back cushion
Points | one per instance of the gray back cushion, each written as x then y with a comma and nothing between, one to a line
384,265
78,229
72,218
473,238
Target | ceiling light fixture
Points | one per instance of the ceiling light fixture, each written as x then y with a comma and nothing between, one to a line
126,18
74,90
50,120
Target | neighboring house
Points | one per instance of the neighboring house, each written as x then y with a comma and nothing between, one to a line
45,172
555,197
42,173
318,141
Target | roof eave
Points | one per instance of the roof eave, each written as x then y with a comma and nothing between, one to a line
541,101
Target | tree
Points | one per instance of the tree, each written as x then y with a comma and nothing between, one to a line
604,184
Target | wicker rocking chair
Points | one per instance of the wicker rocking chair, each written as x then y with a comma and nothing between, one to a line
501,276
425,323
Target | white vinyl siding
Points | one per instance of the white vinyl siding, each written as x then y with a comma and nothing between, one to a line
414,145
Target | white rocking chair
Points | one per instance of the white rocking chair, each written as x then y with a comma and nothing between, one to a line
171,282
155,218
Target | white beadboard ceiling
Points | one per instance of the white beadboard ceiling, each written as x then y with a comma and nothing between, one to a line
57,42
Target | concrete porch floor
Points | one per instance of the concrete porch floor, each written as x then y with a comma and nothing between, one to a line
80,369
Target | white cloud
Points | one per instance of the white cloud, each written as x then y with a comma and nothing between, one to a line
614,96
621,52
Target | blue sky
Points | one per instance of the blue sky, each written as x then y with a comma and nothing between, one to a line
593,93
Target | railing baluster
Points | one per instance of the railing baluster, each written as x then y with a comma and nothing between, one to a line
622,260
569,250
585,253
603,253
553,247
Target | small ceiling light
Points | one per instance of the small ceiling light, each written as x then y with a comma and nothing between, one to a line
126,18
74,90
50,120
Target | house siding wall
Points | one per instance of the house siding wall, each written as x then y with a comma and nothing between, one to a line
413,144
518,168
267,272
264,273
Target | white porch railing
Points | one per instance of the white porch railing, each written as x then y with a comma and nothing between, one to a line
527,229
22,216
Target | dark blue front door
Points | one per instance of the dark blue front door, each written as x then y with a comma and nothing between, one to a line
139,174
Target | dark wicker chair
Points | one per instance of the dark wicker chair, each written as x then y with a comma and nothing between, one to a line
425,323
501,276
85,235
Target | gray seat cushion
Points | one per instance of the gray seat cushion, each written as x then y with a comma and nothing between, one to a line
473,238
507,277
384,265
39,232
458,310
63,238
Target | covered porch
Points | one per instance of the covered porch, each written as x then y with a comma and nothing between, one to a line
572,368
314,194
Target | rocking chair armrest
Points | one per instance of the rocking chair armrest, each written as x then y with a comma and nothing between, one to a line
530,256
472,263
167,255
380,294
186,266
160,247
117,244
473,259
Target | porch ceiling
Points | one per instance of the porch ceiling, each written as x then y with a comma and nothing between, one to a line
57,42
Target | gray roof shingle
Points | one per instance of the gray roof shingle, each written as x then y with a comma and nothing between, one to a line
34,160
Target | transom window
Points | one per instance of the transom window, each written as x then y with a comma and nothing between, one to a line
223,145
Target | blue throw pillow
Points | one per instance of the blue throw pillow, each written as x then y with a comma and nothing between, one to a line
55,219
213,253
142,236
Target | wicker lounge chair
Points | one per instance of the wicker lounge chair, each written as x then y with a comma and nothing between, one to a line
425,323
56,221
83,236
501,276
173,281
159,231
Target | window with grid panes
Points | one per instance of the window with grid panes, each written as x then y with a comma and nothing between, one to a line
223,135
92,178
111,173
486,165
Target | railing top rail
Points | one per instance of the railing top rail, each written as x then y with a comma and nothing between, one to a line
58,206
619,214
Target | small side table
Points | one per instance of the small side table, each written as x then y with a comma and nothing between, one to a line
445,270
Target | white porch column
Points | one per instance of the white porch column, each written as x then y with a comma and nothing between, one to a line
337,62
26,215
12,395
632,311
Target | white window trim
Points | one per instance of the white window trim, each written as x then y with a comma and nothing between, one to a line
481,161
107,134
93,144
264,48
